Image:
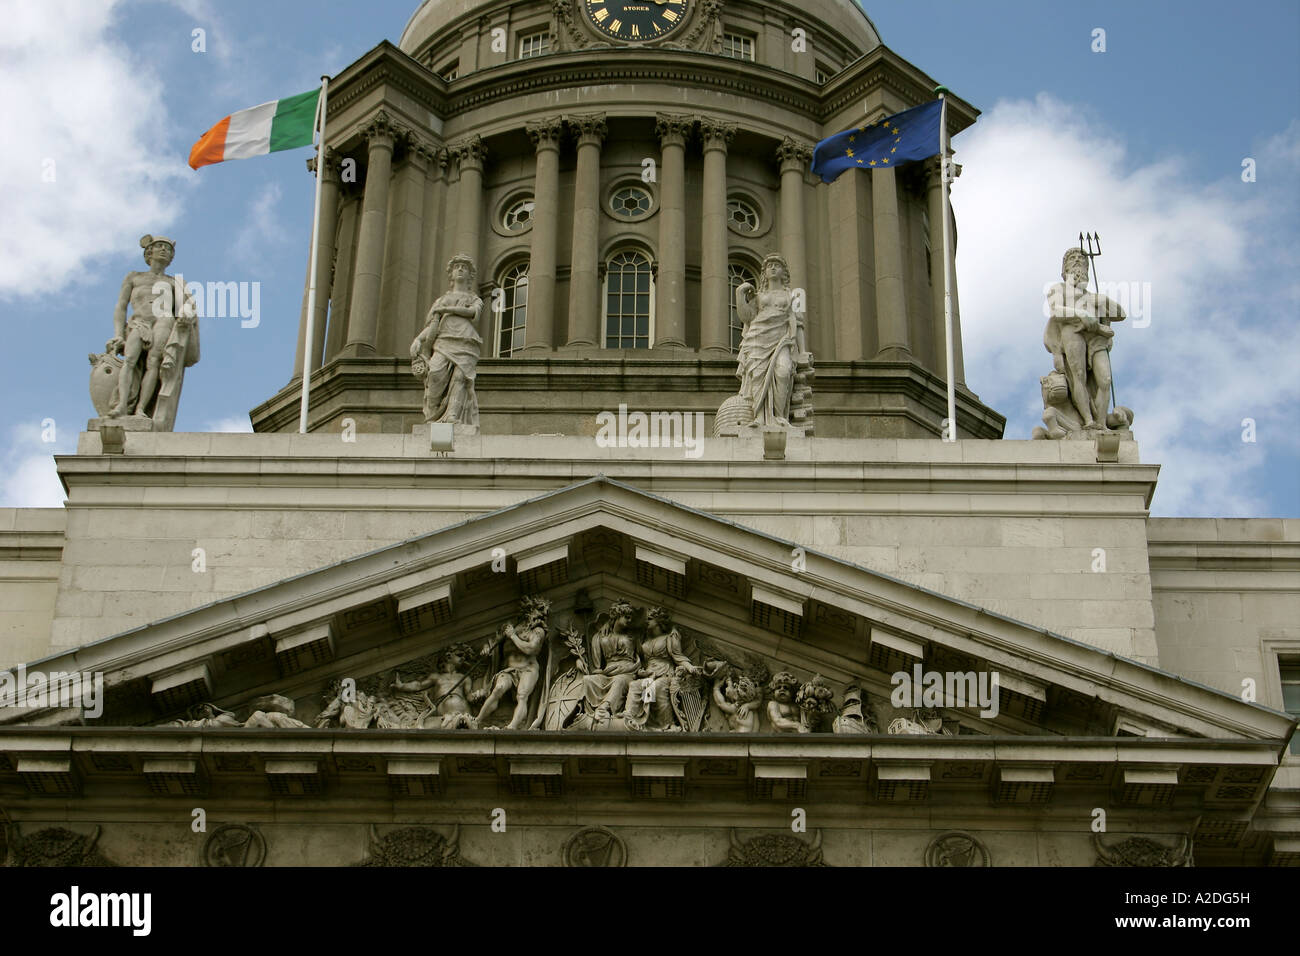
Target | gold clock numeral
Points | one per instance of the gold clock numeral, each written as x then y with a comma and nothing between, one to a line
636,31
616,24
670,16
600,15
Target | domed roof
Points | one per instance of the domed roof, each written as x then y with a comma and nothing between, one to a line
844,17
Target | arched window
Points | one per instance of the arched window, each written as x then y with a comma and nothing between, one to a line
628,301
514,310
737,275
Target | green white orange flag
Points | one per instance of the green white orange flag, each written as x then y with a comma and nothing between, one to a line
269,128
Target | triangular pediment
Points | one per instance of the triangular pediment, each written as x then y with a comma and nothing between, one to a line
740,598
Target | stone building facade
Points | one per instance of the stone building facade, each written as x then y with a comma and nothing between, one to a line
301,633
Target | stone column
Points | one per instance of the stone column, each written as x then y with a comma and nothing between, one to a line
470,154
670,290
539,330
584,276
400,305
891,299
715,294
794,158
432,269
364,316
935,198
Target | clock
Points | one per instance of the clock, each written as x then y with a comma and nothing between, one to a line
635,21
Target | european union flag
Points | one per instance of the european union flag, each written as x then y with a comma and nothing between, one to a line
902,138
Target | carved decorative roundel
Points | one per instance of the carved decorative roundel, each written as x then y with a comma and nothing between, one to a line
595,846
635,21
956,849
234,844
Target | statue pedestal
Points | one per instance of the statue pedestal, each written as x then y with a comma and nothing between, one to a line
130,423
443,436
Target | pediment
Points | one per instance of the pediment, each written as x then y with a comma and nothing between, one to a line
744,603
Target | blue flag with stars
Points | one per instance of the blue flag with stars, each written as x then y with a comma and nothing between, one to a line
902,138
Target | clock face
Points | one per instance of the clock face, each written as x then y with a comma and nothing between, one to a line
634,21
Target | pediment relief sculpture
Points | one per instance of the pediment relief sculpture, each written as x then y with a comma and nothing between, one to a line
629,669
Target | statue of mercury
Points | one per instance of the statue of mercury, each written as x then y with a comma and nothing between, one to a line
158,341
445,355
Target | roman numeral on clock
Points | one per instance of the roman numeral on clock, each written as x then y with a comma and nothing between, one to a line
601,15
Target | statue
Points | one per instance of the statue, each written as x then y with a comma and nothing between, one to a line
773,364
350,706
614,663
522,672
658,692
158,342
273,710
741,699
782,711
445,355
1076,394
444,691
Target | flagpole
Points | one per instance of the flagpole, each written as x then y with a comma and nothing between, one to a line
310,347
945,166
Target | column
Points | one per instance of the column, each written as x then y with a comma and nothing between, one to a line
891,301
715,291
935,199
432,269
795,159
364,316
470,154
539,328
336,337
584,276
670,289
400,304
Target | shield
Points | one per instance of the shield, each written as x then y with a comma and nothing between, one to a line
565,697
104,370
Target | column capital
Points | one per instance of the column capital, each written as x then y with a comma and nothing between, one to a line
716,134
546,133
589,129
793,155
469,153
381,131
933,171
332,164
673,128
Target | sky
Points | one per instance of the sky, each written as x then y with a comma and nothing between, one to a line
1138,133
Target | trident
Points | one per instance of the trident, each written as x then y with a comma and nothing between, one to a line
1092,240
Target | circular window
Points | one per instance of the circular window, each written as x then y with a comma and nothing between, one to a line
630,202
741,216
518,215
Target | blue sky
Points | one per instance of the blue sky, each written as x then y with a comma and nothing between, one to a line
1143,143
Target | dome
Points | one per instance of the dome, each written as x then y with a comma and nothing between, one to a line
842,17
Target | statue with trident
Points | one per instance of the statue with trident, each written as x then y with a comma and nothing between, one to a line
1077,393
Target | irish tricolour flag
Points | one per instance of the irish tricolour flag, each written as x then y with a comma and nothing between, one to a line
280,124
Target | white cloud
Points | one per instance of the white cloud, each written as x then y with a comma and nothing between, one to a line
79,107
27,464
1221,262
